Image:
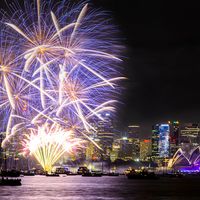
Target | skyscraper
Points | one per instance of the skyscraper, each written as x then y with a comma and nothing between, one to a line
160,141
145,149
105,132
164,132
174,137
190,134
155,141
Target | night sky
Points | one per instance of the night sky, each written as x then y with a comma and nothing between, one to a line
163,60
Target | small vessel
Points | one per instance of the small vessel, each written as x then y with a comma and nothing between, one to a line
72,174
92,174
53,175
62,170
82,170
172,175
143,174
113,174
28,173
10,182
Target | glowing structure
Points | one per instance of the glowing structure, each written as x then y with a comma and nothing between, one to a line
190,160
57,66
48,144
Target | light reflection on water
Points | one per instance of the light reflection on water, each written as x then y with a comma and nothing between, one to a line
108,188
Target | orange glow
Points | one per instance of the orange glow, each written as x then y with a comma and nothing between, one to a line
42,50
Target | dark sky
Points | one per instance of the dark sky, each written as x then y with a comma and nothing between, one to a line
163,60
163,64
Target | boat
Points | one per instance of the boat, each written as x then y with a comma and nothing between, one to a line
28,173
172,175
62,170
53,175
82,170
113,174
92,174
144,174
10,182
72,174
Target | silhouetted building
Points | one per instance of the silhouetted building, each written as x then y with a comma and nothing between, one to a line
174,137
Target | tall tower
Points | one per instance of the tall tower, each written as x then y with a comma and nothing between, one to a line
155,141
145,149
174,137
105,132
160,141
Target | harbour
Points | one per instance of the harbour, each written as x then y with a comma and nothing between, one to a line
105,187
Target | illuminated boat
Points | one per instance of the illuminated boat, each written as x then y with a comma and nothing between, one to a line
53,175
92,174
141,175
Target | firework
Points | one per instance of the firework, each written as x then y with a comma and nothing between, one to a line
48,143
58,65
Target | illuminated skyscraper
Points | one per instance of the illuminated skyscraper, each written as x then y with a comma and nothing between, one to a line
160,141
190,134
164,140
126,149
145,149
105,131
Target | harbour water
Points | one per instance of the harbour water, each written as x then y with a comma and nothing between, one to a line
108,188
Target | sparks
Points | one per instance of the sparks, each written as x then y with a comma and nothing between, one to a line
57,66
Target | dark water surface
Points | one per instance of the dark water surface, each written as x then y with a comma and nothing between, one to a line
109,188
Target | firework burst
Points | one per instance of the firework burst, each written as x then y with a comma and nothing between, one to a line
48,143
58,65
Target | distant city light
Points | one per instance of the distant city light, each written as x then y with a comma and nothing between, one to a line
134,126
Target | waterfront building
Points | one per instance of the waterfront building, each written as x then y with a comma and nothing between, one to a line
186,161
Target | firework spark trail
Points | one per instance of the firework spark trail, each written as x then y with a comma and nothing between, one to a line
49,143
57,66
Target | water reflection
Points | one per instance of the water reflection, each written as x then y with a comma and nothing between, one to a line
108,188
